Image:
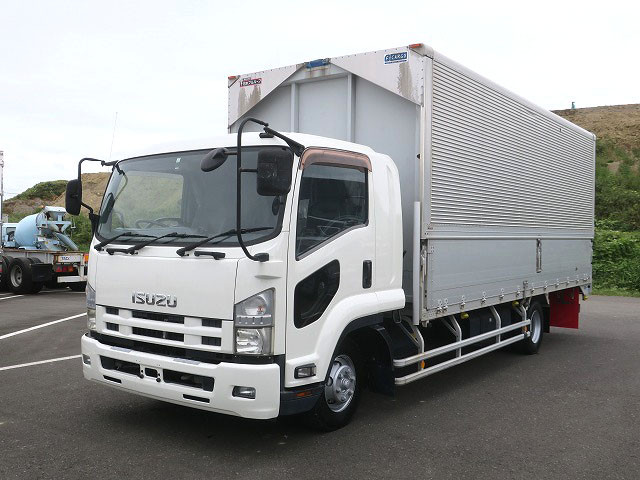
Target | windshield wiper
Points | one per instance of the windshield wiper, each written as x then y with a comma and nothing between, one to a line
222,236
133,249
99,246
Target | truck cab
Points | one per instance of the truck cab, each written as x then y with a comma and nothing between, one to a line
8,235
196,322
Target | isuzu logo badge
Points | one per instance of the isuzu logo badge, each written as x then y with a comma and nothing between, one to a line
157,299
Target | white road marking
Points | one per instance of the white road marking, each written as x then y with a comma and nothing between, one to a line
40,362
8,298
59,291
2,337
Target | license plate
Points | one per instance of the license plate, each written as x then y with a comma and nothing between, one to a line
69,258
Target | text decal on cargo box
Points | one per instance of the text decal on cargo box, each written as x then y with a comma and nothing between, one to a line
395,57
247,82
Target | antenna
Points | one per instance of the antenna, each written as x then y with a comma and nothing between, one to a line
113,135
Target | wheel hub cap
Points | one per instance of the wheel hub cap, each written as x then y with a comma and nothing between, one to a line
16,277
536,326
341,386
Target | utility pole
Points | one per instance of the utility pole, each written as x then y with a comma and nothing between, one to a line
1,191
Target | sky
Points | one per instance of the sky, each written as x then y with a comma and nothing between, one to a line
67,66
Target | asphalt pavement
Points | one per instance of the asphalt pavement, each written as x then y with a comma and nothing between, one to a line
571,411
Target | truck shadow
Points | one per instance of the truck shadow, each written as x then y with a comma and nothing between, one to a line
195,430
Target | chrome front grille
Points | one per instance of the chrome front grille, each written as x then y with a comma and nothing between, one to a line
207,334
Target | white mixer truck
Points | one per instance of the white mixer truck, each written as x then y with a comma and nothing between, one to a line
36,251
415,216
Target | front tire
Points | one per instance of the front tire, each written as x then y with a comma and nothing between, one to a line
337,404
531,344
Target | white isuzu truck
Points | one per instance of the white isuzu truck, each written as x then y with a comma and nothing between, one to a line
414,216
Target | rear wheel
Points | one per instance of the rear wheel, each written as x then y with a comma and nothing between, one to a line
4,276
531,344
20,279
338,403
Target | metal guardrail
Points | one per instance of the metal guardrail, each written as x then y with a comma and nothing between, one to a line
403,362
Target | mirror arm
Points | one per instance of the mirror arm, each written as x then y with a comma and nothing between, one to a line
259,257
88,208
103,163
88,159
296,148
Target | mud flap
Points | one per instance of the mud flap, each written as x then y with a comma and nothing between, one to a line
564,308
41,272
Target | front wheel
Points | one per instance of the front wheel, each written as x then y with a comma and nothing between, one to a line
342,391
531,344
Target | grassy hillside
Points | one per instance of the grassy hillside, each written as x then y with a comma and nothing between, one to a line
52,193
616,258
43,190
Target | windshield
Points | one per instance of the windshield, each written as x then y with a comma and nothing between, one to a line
169,193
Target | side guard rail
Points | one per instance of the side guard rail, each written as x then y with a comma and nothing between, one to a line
403,362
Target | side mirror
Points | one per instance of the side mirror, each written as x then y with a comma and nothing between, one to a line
73,197
274,172
214,159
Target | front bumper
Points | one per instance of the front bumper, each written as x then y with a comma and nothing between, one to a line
264,378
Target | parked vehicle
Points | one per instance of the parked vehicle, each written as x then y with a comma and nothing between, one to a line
416,216
36,251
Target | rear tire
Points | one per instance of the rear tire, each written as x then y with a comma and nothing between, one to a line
78,286
20,280
337,404
531,344
4,276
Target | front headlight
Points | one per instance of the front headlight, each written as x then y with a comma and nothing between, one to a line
253,320
91,308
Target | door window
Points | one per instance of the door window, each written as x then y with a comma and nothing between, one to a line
332,200
314,294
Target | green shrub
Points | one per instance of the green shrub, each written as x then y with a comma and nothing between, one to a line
616,259
617,194
81,234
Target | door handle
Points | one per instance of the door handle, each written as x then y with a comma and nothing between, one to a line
367,273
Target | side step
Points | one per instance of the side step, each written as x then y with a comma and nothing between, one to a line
403,362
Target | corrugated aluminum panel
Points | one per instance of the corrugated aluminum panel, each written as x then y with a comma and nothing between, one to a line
498,163
510,196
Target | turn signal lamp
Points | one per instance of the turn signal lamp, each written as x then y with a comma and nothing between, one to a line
253,319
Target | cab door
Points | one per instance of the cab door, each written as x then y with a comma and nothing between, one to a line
331,253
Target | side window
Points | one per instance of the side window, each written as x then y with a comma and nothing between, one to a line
332,199
314,294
